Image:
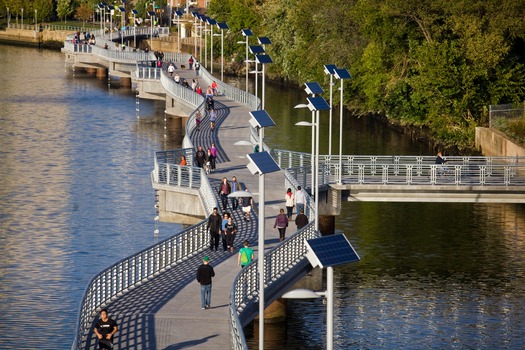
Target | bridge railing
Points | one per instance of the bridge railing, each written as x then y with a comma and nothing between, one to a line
136,269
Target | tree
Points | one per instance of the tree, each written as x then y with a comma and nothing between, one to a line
64,9
84,13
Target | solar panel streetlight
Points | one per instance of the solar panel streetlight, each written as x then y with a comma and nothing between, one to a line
317,103
341,74
152,17
122,19
179,15
254,50
222,26
195,27
247,33
261,163
329,69
264,60
111,13
327,251
206,30
135,13
212,23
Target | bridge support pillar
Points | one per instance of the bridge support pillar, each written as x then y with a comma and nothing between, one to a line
102,72
274,313
125,82
91,71
327,224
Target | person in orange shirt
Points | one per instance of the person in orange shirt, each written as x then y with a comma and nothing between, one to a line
183,160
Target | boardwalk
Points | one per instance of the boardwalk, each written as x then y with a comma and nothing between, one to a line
165,312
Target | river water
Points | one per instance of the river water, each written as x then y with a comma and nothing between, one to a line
75,197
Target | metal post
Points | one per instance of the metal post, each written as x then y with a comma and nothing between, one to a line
205,45
247,65
330,125
178,33
257,78
8,18
222,54
317,171
260,257
339,180
211,50
134,32
312,160
329,307
195,40
263,83
22,18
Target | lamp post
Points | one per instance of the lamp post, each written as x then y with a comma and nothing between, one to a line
264,60
212,23
22,18
135,12
317,250
122,19
341,74
179,15
247,33
36,11
152,17
256,50
205,22
329,69
222,26
8,17
195,16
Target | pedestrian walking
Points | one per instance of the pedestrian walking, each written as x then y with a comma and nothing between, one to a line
223,231
231,230
197,68
105,329
301,220
205,273
290,203
281,223
245,255
235,187
190,62
224,191
214,228
200,157
247,203
300,199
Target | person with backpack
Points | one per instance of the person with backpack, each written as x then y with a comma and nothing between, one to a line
245,255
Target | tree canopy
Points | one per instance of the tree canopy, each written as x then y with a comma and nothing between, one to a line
428,64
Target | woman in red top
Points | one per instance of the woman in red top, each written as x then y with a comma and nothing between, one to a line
214,88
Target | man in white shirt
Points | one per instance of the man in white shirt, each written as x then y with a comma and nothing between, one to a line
300,200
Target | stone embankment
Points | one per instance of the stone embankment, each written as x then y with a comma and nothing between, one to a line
493,143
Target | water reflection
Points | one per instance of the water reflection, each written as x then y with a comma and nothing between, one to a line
75,194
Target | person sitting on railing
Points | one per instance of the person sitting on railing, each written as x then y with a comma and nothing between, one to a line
209,92
183,161
198,90
177,78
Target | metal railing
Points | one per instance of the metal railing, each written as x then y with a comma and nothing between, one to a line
136,269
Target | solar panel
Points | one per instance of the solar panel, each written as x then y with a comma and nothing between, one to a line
211,21
195,14
179,13
329,68
151,13
103,4
111,7
264,59
330,250
313,88
264,40
247,32
255,49
122,9
135,12
263,118
317,104
342,74
263,162
222,25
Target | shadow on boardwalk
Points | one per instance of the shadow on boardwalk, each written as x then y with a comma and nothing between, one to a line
152,311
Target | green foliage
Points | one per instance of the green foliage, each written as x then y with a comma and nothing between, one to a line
64,8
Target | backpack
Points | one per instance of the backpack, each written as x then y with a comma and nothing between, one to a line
245,259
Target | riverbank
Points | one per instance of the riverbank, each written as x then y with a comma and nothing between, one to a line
51,39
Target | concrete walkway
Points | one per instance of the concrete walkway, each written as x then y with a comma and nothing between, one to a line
165,312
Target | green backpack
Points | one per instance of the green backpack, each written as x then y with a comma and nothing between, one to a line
245,259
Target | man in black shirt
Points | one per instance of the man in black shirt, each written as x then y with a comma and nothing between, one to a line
214,227
204,275
200,157
105,329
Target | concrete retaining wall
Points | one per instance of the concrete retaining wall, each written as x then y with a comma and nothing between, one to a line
493,143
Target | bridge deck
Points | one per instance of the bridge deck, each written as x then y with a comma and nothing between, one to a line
165,312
